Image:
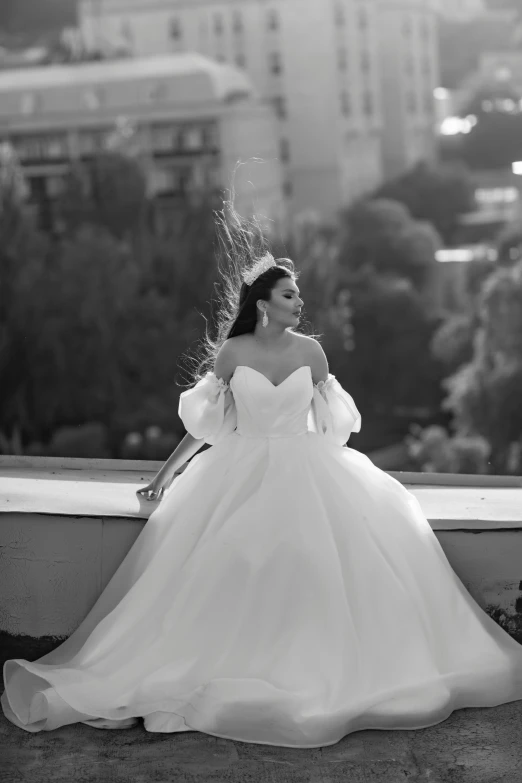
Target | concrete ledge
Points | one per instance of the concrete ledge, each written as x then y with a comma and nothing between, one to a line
66,525
107,488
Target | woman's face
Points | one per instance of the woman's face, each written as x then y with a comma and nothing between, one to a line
285,304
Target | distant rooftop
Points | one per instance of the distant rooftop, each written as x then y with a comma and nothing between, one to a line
224,79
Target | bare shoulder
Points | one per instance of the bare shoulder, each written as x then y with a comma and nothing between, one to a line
227,358
307,342
315,357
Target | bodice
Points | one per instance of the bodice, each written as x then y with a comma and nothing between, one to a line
251,406
266,410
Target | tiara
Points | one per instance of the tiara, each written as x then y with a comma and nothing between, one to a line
258,268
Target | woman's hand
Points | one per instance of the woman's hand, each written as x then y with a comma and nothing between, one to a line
153,491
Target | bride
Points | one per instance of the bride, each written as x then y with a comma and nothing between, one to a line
285,591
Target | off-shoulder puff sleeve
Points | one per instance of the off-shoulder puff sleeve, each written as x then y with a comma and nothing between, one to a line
208,410
333,413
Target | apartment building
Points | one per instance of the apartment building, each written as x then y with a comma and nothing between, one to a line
351,81
193,119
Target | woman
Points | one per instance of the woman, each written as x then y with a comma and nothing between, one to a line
285,591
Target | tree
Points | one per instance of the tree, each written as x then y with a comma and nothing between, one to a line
434,451
91,335
452,343
23,254
384,358
484,395
382,235
110,191
494,142
509,244
439,194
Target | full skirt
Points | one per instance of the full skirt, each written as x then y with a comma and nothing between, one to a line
284,592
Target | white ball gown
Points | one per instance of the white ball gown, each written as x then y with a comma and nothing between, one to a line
285,592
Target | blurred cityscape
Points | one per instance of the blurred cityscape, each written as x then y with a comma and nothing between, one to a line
380,143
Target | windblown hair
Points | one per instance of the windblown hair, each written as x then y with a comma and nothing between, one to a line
241,243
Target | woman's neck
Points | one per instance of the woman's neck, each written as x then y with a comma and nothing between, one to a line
277,338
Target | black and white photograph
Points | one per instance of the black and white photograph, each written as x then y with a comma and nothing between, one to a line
261,391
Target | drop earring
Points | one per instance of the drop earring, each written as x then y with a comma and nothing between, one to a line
265,319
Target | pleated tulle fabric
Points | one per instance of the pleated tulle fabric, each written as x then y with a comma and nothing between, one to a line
284,592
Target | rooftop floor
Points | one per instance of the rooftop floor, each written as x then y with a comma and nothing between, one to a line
472,746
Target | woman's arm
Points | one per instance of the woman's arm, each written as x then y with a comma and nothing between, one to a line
317,360
186,448
223,369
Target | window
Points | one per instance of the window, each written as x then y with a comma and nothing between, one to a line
175,29
275,63
28,103
409,64
210,136
411,102
41,147
240,60
342,59
426,67
346,105
339,14
365,61
157,92
55,186
288,190
237,22
285,150
362,19
179,179
92,98
163,138
406,27
191,138
93,141
428,102
368,103
126,32
279,104
425,29
218,24
272,20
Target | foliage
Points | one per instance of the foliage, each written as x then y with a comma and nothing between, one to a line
23,253
391,336
381,234
452,343
434,451
494,142
484,395
96,322
93,327
107,191
509,244
438,194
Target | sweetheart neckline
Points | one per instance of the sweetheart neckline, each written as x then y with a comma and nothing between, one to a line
247,366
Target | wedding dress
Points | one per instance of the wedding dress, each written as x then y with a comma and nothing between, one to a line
285,592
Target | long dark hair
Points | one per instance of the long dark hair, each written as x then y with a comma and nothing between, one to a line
241,243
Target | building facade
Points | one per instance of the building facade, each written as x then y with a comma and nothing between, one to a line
192,119
352,89
409,74
461,10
